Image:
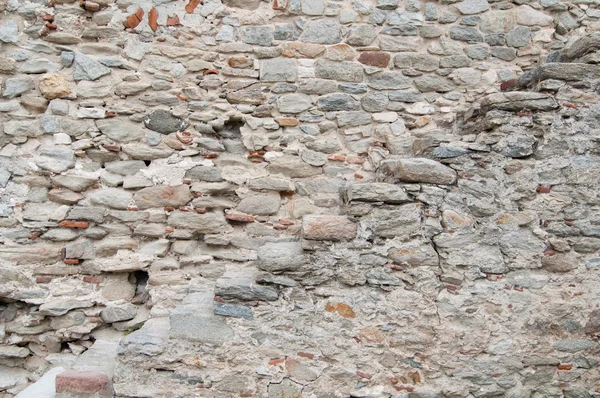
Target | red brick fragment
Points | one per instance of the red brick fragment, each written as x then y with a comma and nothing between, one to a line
363,375
191,6
71,261
565,366
74,224
134,19
152,18
83,382
276,361
172,21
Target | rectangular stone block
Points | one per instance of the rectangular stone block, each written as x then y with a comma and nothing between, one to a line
328,228
83,383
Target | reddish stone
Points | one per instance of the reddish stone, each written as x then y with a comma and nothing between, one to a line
191,6
48,17
342,309
565,366
507,85
71,261
239,217
276,361
374,58
152,18
169,229
306,355
322,227
92,279
134,19
337,158
172,21
43,279
112,148
363,375
83,382
74,224
543,189
51,26
240,61
287,121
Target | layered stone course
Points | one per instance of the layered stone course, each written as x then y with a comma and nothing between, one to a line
299,198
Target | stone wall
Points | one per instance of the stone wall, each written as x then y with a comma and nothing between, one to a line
301,198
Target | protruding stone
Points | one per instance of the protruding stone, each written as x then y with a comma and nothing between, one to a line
281,256
424,170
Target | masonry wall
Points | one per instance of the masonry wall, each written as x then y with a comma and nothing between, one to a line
302,198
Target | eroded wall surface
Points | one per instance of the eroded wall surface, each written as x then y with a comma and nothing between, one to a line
302,198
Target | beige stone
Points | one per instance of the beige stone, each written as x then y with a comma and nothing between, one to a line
53,85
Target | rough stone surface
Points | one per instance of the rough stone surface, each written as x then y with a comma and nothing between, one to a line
300,198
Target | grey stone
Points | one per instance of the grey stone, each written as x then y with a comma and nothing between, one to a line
337,102
120,130
152,338
55,158
406,19
67,58
39,65
322,31
204,173
516,145
414,254
261,204
208,223
281,256
469,7
477,52
353,118
361,35
49,124
313,158
344,71
16,86
519,100
465,33
267,278
233,311
294,103
286,32
125,167
447,152
518,37
455,61
117,313
245,4
504,53
293,167
421,62
573,345
374,102
313,7
317,86
472,20
61,307
196,321
377,192
386,4
259,35
388,81
86,68
164,122
241,285
495,39
353,88
424,170
405,96
278,70
113,198
430,83
9,32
